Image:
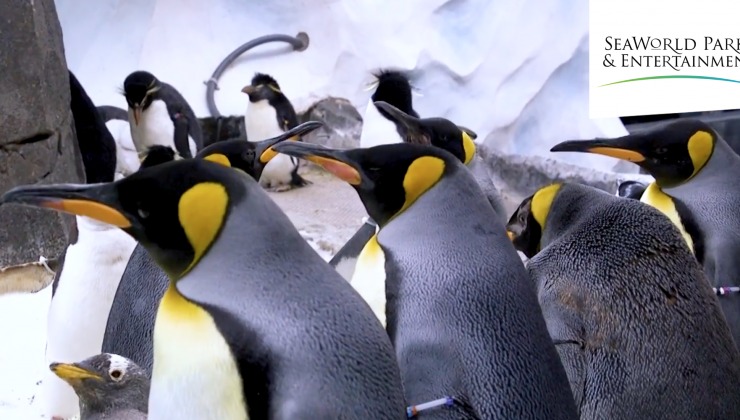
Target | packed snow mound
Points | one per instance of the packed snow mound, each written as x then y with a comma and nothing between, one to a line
515,71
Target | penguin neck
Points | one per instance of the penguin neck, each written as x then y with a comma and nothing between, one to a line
569,207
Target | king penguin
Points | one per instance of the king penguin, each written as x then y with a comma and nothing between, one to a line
131,320
635,321
127,158
242,331
90,269
269,114
152,107
696,186
460,311
439,132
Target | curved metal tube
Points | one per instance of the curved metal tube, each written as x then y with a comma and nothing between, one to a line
299,43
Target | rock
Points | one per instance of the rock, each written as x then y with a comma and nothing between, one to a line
518,176
38,144
343,123
231,127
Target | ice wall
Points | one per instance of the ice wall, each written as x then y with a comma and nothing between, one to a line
515,71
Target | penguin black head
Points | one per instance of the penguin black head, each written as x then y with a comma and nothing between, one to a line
262,87
388,178
394,87
631,189
175,210
526,225
105,383
672,154
439,132
140,88
252,156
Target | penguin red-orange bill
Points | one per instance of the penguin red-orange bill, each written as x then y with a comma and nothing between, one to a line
91,209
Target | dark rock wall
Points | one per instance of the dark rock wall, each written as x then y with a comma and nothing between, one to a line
38,143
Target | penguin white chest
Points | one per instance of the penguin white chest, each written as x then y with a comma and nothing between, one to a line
377,129
261,123
194,373
369,277
155,128
127,159
79,309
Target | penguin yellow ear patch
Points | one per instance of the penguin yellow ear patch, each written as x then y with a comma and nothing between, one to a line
468,147
218,158
542,201
701,146
339,169
202,212
421,175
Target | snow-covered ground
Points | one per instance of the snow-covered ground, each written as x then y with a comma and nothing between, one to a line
326,213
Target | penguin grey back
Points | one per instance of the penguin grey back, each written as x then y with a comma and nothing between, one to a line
462,313
134,309
296,322
638,328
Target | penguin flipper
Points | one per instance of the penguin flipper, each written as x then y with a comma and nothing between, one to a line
27,278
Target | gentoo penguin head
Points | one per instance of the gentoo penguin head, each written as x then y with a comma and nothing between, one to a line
526,225
140,88
262,88
175,210
393,87
388,178
106,383
252,156
439,132
673,153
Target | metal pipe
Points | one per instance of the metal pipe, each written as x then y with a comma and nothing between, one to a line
299,43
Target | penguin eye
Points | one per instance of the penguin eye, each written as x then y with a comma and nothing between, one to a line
661,150
116,375
522,219
143,213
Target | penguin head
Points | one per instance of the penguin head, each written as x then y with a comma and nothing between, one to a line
526,225
157,155
175,210
388,178
631,189
438,132
393,87
252,157
263,87
140,88
106,381
672,154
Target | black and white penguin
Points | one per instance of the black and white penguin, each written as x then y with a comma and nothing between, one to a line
90,270
152,107
254,323
131,320
269,114
108,386
379,127
127,158
459,308
696,186
635,321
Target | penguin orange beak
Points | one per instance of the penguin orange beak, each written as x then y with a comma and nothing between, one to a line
90,200
511,235
72,372
333,160
264,149
624,148
249,89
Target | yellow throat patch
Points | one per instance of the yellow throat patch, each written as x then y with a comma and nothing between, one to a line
655,197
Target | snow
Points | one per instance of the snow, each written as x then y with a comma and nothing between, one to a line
515,71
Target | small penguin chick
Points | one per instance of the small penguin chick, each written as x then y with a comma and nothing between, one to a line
108,386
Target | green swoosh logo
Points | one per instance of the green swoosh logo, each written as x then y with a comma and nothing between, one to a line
720,79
